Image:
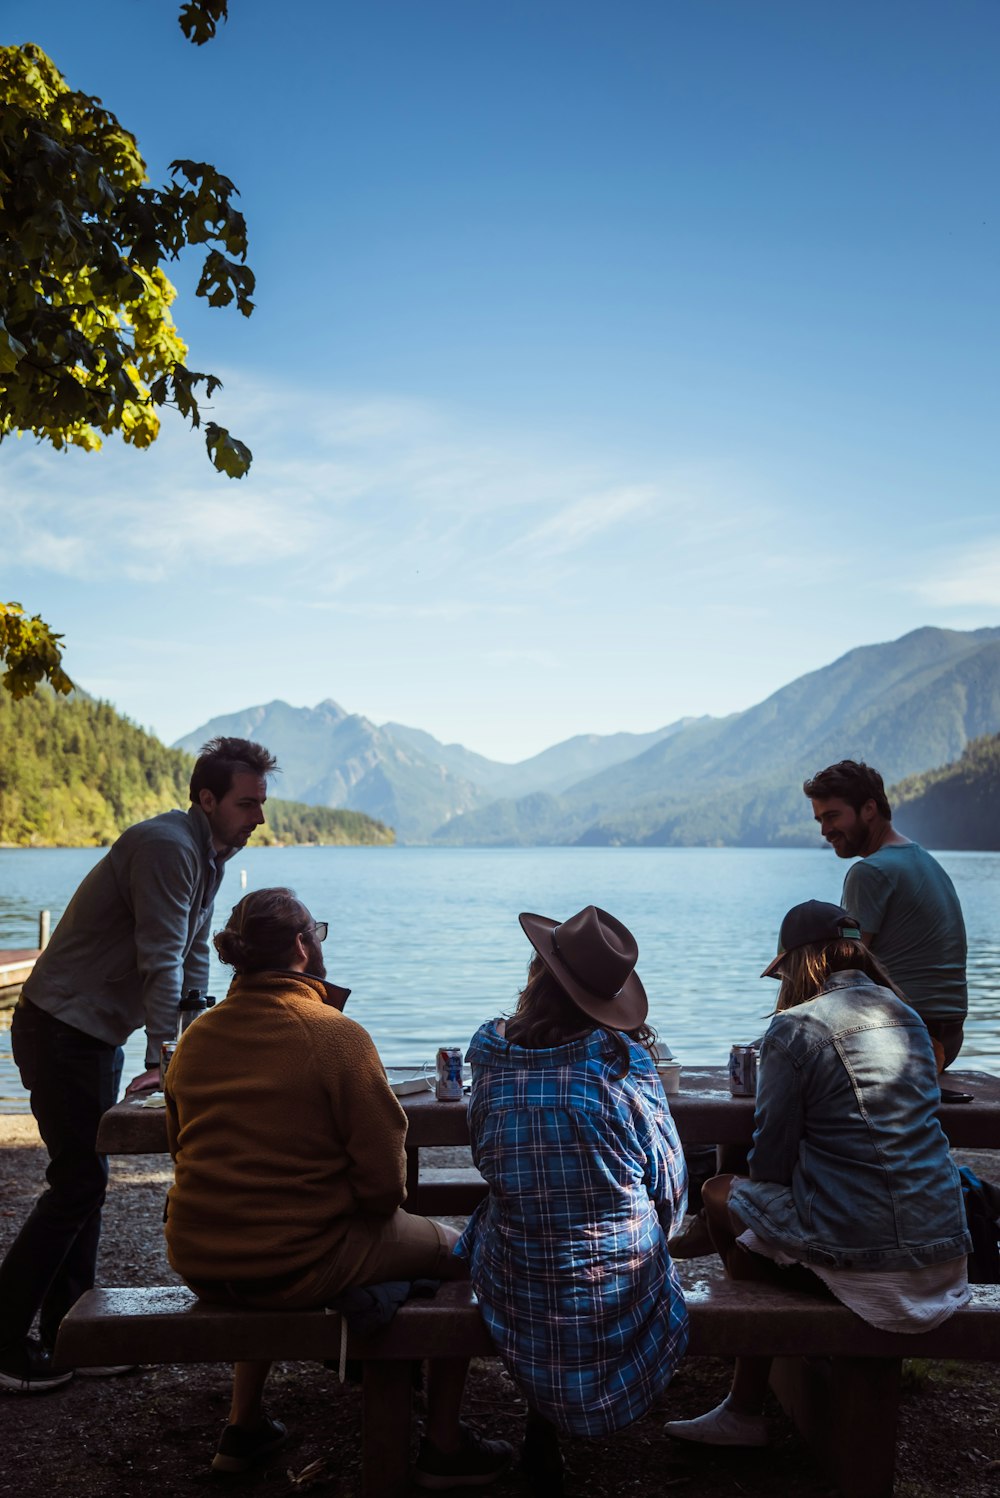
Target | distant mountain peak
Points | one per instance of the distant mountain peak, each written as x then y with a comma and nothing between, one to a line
906,706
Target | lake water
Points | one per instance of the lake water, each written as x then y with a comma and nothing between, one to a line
429,943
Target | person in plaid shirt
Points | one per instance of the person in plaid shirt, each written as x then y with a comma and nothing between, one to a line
570,1128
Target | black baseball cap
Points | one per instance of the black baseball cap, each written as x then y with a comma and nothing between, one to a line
812,923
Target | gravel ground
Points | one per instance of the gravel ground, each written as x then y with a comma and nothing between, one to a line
155,1430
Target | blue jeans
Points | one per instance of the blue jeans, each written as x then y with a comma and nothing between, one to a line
72,1078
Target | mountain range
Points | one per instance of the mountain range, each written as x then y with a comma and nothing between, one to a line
907,706
329,757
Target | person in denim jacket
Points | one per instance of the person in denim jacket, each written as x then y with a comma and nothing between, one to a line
852,1190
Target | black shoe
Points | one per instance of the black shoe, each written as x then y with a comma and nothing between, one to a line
476,1462
241,1446
28,1370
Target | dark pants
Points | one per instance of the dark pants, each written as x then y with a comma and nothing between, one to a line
701,1167
947,1035
72,1078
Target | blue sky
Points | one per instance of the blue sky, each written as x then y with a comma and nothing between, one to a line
612,363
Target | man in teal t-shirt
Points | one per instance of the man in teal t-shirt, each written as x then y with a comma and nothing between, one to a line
902,898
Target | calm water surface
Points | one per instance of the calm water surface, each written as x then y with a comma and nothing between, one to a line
429,943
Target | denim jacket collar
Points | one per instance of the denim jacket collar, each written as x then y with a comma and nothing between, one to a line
851,977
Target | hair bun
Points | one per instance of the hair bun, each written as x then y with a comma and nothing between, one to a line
230,946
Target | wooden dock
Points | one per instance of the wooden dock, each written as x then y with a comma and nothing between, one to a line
15,966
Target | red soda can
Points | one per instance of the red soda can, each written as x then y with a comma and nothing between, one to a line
743,1070
449,1074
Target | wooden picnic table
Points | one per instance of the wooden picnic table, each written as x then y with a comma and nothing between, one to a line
706,1113
704,1110
841,1386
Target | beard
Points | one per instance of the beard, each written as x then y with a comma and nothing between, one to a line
850,844
317,967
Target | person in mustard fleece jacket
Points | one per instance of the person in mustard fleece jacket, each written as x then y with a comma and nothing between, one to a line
290,1170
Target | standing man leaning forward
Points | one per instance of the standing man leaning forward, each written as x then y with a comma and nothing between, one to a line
290,1171
905,903
133,938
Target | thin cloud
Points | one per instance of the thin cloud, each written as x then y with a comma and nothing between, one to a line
450,612
583,519
967,580
385,505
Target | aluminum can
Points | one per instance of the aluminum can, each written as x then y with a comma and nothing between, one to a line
167,1049
449,1074
743,1070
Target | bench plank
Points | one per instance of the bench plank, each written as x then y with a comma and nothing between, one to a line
168,1324
729,1317
836,1376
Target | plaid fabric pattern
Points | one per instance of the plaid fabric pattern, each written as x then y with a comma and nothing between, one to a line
569,1252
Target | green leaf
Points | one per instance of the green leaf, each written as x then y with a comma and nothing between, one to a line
228,455
31,652
88,343
12,351
199,19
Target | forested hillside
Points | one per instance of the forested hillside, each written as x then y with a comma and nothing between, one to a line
294,822
75,773
957,806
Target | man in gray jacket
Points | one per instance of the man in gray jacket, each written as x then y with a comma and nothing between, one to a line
133,939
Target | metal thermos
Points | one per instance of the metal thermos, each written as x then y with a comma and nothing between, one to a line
189,1008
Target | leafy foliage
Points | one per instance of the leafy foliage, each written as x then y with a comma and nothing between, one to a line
87,341
199,19
294,822
76,773
31,653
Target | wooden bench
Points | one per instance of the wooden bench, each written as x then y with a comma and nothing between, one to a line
444,1190
838,1377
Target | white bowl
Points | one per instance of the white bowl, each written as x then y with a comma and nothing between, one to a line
670,1075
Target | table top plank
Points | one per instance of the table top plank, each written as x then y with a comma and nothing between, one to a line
703,1109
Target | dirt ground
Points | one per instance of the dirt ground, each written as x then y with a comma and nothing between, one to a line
154,1431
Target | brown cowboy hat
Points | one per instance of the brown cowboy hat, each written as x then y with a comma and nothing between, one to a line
593,957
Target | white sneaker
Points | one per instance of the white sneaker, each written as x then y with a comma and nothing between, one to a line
720,1427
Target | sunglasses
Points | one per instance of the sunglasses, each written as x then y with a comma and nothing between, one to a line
319,930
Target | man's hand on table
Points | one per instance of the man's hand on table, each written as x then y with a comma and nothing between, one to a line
146,1083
